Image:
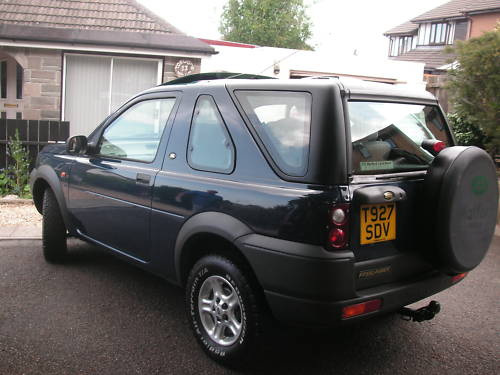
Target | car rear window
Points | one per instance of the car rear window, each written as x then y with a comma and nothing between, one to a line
387,137
282,120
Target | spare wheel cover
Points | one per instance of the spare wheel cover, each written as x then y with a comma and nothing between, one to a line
464,182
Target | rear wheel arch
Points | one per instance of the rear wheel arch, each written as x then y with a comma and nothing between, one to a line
209,233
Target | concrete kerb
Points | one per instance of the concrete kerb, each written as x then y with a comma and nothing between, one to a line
15,201
19,231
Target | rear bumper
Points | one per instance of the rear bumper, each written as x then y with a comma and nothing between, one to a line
329,313
306,285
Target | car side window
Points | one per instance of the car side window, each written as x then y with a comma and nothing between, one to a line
282,120
210,147
136,133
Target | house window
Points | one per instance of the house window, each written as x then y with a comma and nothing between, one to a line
19,81
435,34
95,86
400,44
3,79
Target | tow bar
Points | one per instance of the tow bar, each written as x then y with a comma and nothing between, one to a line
424,313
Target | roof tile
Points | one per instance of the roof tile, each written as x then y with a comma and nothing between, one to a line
433,58
457,8
116,15
405,28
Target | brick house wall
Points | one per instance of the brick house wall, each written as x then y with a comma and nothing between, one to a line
41,96
482,23
169,67
42,84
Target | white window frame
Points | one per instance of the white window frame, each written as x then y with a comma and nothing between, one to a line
425,34
63,98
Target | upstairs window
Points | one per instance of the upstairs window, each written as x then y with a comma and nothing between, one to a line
439,33
401,44
436,33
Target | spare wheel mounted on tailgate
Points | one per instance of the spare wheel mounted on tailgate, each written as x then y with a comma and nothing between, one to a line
461,191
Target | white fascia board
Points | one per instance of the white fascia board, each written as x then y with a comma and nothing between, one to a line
96,48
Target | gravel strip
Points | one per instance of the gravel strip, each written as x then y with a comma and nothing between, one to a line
14,214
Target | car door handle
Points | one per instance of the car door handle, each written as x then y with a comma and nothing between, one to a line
143,178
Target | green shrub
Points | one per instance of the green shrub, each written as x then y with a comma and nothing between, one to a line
474,85
4,183
15,178
467,133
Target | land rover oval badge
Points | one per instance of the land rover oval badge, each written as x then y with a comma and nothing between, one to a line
388,195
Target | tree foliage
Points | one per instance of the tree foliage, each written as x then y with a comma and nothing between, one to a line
474,85
467,133
273,23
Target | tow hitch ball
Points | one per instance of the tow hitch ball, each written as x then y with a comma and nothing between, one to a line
424,313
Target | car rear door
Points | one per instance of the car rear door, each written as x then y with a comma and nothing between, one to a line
389,163
110,191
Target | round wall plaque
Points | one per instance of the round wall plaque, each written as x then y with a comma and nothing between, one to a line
183,68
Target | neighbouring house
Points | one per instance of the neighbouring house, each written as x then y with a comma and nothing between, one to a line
290,63
425,38
78,61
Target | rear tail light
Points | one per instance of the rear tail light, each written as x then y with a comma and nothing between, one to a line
433,146
337,238
338,226
361,308
458,277
439,146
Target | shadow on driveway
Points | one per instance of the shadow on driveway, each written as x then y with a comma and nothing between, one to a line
97,314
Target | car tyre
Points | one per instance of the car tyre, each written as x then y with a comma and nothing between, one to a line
224,310
53,229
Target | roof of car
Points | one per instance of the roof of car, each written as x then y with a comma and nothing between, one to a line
353,87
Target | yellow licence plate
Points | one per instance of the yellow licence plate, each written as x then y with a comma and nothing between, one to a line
378,223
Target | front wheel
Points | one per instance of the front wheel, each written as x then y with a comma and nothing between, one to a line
53,229
223,309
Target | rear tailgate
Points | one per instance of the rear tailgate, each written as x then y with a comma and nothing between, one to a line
389,163
387,232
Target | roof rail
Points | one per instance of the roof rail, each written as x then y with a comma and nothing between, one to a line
213,76
322,77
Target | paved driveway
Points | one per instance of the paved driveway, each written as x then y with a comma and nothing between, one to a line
98,315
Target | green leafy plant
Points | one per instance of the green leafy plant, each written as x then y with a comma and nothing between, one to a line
272,23
474,85
4,183
467,133
15,178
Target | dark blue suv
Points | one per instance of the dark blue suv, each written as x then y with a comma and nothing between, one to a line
315,202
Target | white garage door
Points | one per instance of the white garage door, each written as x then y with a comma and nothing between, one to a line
94,86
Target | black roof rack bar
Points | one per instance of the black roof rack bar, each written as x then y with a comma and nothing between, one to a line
213,76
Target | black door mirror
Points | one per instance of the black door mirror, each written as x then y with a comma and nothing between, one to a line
77,144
